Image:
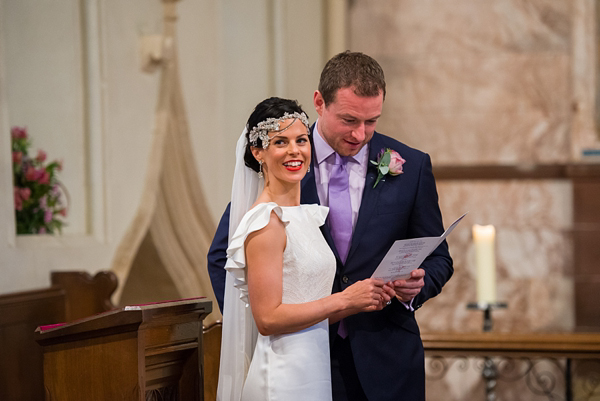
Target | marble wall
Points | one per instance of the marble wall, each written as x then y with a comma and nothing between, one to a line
486,83
534,256
473,82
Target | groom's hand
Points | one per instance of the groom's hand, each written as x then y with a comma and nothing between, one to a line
407,289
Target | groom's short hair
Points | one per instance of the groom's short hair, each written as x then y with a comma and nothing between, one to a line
351,69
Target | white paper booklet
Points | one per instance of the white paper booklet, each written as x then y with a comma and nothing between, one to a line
407,255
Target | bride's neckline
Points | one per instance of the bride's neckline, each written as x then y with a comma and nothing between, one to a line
275,203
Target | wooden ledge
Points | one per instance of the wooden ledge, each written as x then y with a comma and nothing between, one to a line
568,345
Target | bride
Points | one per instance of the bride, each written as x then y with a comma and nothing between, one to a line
278,302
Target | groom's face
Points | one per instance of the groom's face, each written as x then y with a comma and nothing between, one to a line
348,123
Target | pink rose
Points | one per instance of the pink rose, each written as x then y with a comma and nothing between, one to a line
25,193
41,156
18,132
63,212
388,162
48,216
43,176
17,157
31,174
18,200
396,162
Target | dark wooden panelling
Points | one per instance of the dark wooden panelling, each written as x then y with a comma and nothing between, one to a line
85,294
586,252
212,358
516,172
21,376
586,203
587,312
75,295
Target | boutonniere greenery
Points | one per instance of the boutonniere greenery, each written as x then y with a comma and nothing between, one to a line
388,162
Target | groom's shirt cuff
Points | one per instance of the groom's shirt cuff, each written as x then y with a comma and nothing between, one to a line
408,305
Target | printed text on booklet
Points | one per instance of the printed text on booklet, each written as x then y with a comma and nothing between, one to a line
407,255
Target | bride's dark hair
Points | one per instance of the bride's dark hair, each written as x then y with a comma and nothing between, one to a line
273,107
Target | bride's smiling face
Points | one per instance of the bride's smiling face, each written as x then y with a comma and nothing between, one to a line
288,156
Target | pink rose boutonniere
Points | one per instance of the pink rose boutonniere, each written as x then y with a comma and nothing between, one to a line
388,162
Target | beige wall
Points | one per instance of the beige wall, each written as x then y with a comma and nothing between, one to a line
70,71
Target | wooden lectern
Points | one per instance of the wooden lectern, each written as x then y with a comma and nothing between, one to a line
142,352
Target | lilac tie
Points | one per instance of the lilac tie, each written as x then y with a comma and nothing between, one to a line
340,210
340,215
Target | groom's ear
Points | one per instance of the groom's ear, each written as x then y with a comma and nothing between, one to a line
318,102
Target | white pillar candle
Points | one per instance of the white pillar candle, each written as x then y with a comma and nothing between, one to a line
485,260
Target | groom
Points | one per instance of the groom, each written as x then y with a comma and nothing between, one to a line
376,355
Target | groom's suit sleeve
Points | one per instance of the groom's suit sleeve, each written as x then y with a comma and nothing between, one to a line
424,217
217,256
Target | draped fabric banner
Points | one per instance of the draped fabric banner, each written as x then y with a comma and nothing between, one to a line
173,207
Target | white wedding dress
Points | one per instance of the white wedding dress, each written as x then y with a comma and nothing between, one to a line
295,366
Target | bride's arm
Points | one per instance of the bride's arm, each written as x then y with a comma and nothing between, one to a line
264,260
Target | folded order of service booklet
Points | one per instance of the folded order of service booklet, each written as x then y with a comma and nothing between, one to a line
406,255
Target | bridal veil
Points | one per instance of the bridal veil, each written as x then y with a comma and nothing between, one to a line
239,330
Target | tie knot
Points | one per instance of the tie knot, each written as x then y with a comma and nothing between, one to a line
341,160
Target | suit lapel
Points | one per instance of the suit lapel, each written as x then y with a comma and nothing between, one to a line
370,195
308,192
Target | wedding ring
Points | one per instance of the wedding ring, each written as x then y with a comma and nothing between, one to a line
388,302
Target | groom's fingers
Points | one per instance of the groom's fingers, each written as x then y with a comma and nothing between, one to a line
416,280
410,288
409,285
417,274
408,294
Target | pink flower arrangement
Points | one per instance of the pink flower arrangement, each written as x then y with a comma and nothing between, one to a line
388,162
38,194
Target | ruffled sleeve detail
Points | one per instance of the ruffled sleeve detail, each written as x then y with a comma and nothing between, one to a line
317,213
256,219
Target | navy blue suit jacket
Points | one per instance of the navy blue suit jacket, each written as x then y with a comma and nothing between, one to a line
386,345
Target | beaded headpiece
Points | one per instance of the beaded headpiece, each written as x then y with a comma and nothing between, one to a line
262,129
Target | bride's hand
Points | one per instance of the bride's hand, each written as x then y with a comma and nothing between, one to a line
368,295
389,293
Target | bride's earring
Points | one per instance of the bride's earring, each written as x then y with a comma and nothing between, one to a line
260,173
